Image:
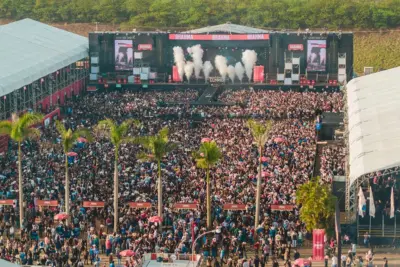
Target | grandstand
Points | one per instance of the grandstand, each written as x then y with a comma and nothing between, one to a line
40,67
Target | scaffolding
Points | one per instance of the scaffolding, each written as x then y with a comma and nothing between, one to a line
28,96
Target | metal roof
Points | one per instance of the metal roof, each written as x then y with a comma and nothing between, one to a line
229,28
374,123
30,50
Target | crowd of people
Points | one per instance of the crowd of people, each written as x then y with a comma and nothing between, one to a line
290,153
333,162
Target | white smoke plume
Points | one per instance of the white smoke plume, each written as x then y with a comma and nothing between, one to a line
189,50
222,66
231,73
239,70
197,55
189,70
207,68
179,58
249,59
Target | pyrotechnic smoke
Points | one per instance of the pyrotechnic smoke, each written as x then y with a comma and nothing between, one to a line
179,58
189,50
189,70
221,65
249,59
197,55
231,73
239,70
207,68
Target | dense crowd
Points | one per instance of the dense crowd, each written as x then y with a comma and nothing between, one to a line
289,152
333,160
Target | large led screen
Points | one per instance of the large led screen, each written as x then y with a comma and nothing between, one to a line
123,55
316,55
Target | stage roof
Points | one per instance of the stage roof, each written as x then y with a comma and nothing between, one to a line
228,28
30,50
374,122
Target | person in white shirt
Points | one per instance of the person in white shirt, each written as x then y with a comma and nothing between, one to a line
334,261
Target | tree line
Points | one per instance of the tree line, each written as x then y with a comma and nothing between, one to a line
282,14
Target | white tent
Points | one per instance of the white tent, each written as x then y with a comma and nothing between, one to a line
30,50
374,122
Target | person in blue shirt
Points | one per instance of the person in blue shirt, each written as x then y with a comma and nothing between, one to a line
112,264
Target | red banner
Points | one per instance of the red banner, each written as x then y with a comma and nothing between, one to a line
47,203
282,207
185,206
296,47
7,202
318,244
91,88
93,204
219,37
258,74
175,74
148,47
140,205
234,207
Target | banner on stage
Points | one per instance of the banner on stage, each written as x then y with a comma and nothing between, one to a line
219,37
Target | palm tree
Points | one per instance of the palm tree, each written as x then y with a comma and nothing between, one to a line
20,129
118,135
68,138
158,146
207,157
260,134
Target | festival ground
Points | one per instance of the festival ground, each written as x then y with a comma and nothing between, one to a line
392,255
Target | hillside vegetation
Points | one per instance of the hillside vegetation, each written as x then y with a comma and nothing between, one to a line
288,14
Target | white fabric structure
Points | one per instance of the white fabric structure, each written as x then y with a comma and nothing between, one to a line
373,122
30,50
228,27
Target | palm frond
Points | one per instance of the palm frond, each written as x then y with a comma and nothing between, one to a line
60,127
129,140
260,131
163,133
30,119
82,132
5,127
32,133
208,155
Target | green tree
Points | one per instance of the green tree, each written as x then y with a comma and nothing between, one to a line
207,157
157,147
118,135
19,129
260,134
68,139
317,204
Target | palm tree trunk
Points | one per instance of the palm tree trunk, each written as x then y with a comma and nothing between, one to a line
159,190
257,217
116,190
66,188
208,200
20,188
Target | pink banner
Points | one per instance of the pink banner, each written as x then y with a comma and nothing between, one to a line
219,37
258,74
296,47
318,244
175,74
